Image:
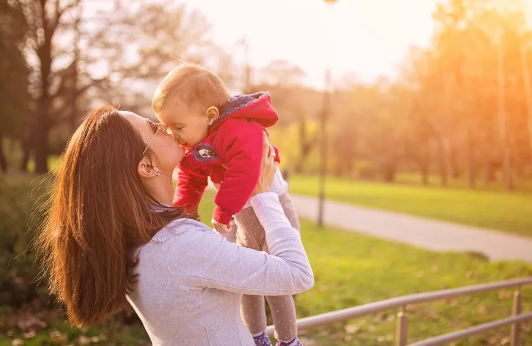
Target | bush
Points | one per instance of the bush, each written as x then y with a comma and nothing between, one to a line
28,314
20,218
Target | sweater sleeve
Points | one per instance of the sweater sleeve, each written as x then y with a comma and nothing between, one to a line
190,187
239,142
208,260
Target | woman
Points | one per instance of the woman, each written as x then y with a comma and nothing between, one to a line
111,239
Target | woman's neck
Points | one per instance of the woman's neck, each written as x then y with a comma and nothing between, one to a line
162,189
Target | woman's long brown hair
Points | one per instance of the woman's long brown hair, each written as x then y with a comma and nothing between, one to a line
99,214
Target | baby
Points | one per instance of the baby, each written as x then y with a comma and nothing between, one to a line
223,138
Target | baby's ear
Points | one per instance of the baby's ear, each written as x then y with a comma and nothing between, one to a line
212,114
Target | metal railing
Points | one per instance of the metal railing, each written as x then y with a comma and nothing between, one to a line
402,317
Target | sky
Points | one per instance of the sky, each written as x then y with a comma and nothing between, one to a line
362,38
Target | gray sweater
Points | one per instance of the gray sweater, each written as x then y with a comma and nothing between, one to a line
191,280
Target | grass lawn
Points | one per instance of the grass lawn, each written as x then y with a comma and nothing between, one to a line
352,269
413,178
508,212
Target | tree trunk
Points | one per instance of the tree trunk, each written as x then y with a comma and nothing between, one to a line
528,94
3,161
424,167
302,147
389,172
424,174
75,77
471,164
42,126
41,144
305,145
489,172
26,152
344,152
454,170
485,150
443,160
507,168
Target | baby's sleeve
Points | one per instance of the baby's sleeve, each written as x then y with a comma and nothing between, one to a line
239,143
190,187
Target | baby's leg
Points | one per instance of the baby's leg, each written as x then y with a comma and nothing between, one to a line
290,210
253,313
284,317
283,307
250,234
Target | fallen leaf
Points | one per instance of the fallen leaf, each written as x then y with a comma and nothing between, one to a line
350,328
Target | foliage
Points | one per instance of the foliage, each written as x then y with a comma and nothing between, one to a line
350,269
27,313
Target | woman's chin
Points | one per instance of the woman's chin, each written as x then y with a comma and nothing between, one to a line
180,153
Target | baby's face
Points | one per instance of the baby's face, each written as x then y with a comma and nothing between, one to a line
187,124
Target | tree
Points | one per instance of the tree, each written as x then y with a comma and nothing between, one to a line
14,96
469,68
528,91
138,44
118,57
282,73
45,18
295,103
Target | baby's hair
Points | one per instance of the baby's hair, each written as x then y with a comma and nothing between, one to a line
193,85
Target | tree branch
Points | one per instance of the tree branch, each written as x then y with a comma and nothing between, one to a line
58,116
44,20
63,75
60,11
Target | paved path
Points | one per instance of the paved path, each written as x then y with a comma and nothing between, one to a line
417,231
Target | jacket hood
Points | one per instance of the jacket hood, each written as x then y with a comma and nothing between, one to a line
257,107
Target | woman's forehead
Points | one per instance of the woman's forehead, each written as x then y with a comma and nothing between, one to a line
128,114
138,122
133,118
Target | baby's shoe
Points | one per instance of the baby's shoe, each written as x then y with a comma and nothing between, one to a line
294,342
262,340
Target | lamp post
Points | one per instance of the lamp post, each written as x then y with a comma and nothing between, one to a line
323,124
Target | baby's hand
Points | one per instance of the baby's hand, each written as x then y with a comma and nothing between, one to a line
219,227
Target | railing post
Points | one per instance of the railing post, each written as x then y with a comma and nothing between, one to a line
516,310
402,328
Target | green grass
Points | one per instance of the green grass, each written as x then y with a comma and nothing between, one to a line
499,210
352,269
27,314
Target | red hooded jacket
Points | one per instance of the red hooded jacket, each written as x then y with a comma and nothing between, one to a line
231,155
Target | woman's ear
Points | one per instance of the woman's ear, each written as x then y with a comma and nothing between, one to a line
146,169
212,114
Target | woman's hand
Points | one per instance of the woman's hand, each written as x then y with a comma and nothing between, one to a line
268,167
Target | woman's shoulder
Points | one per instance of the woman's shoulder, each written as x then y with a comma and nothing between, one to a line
180,227
177,235
184,243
